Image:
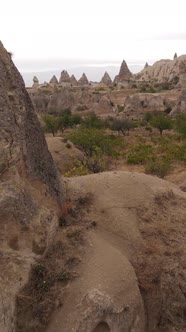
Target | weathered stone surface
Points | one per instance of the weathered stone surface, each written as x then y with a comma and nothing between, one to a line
124,74
106,79
83,80
64,78
135,105
54,80
164,71
30,189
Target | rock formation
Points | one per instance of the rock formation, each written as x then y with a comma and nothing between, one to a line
83,80
30,190
146,65
106,79
182,73
54,80
175,56
135,105
164,71
124,74
73,80
180,106
64,78
35,82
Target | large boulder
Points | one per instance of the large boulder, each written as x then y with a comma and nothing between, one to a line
30,190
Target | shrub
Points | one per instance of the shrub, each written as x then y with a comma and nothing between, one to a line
51,124
161,122
159,167
140,153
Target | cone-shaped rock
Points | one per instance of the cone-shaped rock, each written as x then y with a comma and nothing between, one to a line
146,65
124,73
54,80
106,79
175,56
65,78
83,80
73,80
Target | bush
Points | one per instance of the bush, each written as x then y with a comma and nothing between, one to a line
51,124
93,121
159,167
140,153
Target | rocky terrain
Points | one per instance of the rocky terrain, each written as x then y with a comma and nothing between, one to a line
73,258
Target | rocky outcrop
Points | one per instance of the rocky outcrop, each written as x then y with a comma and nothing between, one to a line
35,82
182,73
175,56
83,80
135,105
73,80
64,78
54,80
180,106
106,79
30,189
165,71
146,65
124,74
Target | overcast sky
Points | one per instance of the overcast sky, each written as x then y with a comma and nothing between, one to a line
93,29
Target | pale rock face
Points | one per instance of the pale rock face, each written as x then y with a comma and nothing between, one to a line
83,80
164,71
106,79
65,78
124,74
54,80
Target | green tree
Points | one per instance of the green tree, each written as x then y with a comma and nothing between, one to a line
122,125
51,123
161,122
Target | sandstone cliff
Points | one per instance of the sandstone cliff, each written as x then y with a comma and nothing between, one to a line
165,71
